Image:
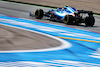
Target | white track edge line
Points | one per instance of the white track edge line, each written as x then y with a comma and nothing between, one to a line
64,44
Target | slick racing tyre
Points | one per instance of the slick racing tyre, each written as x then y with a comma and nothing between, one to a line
89,21
68,19
39,14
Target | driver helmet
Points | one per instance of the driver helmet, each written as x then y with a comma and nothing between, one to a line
65,8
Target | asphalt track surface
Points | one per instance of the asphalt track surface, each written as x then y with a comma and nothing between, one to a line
15,39
22,11
78,4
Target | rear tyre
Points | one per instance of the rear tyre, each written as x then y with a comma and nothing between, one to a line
39,14
68,19
89,21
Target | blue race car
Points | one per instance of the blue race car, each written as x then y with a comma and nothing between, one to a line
67,15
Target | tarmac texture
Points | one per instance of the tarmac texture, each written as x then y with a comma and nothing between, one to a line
17,39
91,5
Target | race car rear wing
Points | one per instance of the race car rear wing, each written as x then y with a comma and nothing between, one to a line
83,11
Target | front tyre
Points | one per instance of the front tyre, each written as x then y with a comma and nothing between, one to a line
39,14
68,19
89,21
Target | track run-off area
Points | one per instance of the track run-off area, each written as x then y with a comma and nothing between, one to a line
82,47
85,45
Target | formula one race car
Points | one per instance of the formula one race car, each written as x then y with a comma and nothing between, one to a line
67,15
